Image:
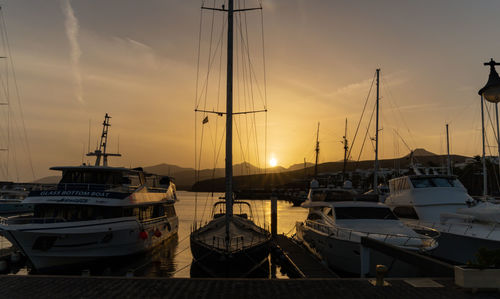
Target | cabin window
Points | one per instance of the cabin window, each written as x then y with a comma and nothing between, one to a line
432,182
363,213
77,212
313,216
442,182
422,183
405,212
91,177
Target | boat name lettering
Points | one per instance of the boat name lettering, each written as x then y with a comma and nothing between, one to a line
74,193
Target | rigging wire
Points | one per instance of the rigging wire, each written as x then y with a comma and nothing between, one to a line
362,114
18,95
366,134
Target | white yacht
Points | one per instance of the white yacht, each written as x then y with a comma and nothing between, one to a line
95,212
336,223
11,199
442,203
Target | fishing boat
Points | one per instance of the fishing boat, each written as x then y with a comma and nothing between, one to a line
230,241
95,212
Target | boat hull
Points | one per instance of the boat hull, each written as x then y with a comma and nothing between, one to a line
344,256
250,246
245,258
461,249
15,208
55,245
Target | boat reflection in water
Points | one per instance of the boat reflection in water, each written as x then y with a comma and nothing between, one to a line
262,270
158,262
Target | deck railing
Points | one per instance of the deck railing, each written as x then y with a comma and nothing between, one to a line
418,242
464,227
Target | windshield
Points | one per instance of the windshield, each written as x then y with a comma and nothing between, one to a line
91,177
432,182
364,213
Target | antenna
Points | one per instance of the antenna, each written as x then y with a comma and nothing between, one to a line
346,148
317,154
448,164
88,144
101,151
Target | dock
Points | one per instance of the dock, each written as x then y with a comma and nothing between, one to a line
302,262
120,287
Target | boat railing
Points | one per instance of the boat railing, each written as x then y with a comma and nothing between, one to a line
30,220
464,227
421,242
235,243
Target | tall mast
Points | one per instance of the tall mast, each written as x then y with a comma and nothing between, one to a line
485,182
448,164
317,154
375,170
229,120
346,147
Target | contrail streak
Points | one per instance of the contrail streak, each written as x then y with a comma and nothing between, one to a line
72,27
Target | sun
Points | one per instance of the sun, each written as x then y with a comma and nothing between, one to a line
273,162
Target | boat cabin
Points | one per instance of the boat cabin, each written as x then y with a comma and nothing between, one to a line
240,208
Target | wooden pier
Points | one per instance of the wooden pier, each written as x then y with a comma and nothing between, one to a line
119,287
302,262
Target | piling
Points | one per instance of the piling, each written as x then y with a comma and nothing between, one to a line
274,215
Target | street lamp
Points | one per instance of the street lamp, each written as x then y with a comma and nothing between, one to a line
490,92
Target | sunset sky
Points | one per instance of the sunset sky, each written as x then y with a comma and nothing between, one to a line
137,61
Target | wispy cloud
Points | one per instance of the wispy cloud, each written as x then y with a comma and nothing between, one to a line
72,28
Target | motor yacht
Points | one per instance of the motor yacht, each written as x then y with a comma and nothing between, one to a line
442,203
336,223
95,212
11,199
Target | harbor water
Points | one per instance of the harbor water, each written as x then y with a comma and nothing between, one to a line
173,259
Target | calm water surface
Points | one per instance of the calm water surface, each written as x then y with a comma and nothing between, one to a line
174,258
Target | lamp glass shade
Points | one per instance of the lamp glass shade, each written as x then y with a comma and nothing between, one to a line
492,94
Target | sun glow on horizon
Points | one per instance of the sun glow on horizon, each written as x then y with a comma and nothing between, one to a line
273,162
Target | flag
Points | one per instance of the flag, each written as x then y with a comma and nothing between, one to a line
205,120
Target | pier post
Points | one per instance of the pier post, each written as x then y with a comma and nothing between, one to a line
274,214
364,257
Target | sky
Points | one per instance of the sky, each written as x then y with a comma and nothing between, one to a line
137,60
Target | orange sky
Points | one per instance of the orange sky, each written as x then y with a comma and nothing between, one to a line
137,62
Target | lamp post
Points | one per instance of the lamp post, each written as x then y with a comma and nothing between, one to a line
491,93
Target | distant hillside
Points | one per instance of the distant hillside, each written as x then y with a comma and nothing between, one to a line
277,180
185,176
53,179
420,152
299,166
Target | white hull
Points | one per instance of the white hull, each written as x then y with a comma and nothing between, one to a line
344,255
59,244
459,242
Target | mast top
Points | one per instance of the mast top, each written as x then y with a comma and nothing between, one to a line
101,152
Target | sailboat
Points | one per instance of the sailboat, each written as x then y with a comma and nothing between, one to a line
230,241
